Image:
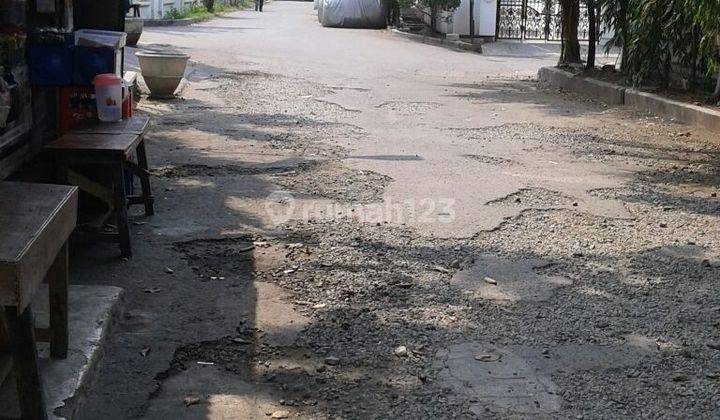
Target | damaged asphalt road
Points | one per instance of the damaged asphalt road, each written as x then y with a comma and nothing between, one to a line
388,236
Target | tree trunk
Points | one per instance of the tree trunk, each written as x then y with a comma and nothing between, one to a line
570,18
622,23
692,79
433,18
592,33
716,94
395,14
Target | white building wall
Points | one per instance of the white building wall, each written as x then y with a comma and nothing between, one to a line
156,9
485,12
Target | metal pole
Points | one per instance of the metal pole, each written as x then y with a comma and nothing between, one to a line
472,21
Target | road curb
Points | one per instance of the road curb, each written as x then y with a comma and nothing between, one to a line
613,94
175,22
440,42
597,89
690,114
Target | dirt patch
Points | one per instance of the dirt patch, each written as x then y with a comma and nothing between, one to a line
491,160
670,190
337,182
264,93
700,98
597,145
218,259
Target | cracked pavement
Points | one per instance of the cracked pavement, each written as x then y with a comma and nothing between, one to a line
358,226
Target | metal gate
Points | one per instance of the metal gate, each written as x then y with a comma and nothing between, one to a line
534,19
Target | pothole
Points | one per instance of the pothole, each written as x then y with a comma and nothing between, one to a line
533,197
409,108
199,170
661,197
234,353
218,259
490,160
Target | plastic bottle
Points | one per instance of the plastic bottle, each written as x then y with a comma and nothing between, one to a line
110,91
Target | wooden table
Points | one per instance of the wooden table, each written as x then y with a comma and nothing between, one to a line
36,221
109,146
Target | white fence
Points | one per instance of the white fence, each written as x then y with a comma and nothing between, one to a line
156,9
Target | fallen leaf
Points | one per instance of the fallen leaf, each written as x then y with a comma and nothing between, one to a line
487,357
246,248
679,377
302,302
191,400
441,269
280,414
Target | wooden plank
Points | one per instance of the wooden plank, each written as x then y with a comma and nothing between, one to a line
91,187
57,279
149,201
27,375
112,144
136,169
121,210
5,355
134,125
34,225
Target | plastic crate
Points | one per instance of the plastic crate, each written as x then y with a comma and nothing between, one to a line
89,62
51,64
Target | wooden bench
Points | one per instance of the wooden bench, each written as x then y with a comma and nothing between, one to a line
109,146
36,221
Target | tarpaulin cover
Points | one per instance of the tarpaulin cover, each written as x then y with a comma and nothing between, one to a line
370,14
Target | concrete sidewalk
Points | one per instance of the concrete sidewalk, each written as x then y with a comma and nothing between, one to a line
65,382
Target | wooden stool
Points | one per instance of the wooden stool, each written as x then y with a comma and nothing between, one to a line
35,225
108,145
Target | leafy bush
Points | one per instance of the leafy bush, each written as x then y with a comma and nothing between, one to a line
188,12
200,11
658,35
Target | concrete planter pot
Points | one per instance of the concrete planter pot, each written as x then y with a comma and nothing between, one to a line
133,29
162,71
